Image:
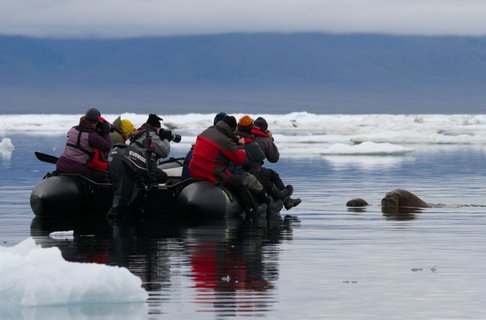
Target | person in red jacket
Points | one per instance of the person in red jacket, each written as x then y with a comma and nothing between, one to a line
215,148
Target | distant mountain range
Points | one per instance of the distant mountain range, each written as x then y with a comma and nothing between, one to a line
271,73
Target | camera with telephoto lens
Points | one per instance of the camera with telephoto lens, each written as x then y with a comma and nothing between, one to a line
177,138
169,135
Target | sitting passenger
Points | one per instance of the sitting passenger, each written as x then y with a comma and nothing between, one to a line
265,140
252,166
138,161
186,174
123,129
82,140
100,158
215,148
185,168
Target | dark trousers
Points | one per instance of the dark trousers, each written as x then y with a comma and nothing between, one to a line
268,178
124,180
123,183
235,183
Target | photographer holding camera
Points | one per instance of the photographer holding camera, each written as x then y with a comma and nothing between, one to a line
169,135
82,140
138,161
99,161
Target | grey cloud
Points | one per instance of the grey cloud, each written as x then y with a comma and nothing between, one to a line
131,18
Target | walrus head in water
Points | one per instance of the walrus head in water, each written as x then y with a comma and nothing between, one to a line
357,202
399,198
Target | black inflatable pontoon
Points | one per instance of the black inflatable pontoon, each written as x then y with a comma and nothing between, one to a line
72,195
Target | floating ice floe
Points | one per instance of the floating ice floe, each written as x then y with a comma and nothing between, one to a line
292,129
31,276
6,148
365,148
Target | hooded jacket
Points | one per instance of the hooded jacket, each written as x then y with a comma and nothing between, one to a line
266,145
254,154
117,135
215,148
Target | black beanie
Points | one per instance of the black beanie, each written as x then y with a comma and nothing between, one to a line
261,123
92,115
230,121
219,117
154,120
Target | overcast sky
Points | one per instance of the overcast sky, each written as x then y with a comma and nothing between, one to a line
128,18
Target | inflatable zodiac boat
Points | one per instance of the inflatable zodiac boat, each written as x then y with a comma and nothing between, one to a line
72,194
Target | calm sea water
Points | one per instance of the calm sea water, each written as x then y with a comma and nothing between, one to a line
324,262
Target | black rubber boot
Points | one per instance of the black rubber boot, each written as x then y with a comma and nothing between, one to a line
261,209
290,188
249,204
112,213
290,203
118,211
274,207
281,194
244,201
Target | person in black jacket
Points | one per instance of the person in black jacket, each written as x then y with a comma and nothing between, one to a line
138,162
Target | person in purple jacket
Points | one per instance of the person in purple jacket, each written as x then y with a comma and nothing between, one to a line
81,142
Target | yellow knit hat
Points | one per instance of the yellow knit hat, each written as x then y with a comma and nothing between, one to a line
127,127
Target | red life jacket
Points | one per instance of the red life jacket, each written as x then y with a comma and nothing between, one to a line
98,161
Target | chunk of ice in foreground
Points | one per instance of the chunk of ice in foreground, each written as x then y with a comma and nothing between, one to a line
35,276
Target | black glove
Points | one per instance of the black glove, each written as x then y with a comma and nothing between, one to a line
166,134
103,127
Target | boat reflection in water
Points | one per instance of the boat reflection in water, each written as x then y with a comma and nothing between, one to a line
218,267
